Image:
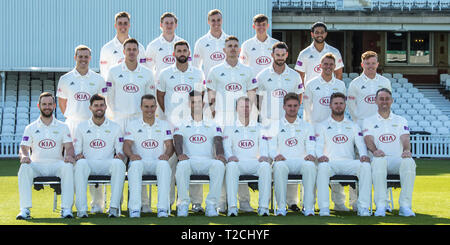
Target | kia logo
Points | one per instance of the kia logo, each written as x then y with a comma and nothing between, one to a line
197,139
318,69
340,139
81,96
263,60
97,144
279,93
47,144
233,87
149,144
217,56
130,88
291,142
183,88
169,59
370,99
246,144
387,138
325,101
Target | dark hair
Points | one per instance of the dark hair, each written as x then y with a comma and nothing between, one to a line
180,43
168,15
96,97
318,24
290,96
131,40
46,94
229,38
383,90
259,18
337,95
147,97
281,45
122,14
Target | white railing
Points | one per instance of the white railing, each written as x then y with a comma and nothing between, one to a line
434,146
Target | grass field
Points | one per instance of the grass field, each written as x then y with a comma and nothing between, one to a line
431,201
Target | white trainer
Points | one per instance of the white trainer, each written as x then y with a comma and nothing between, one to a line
308,212
162,213
211,211
363,212
82,214
380,212
233,212
135,214
263,211
280,212
324,212
182,211
406,212
66,213
24,214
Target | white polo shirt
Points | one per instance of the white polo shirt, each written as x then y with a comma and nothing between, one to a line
46,142
208,51
159,53
148,141
198,137
177,85
273,87
98,142
292,140
230,83
316,99
337,140
308,61
361,95
386,132
77,90
245,142
125,89
257,54
112,54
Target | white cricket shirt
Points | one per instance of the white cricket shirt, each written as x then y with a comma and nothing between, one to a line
245,142
257,54
208,51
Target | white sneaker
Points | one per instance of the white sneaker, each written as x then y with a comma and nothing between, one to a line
308,212
96,209
380,212
24,214
135,214
222,208
146,209
341,207
162,213
197,208
233,212
66,213
211,211
406,212
280,212
245,207
363,212
182,211
82,214
263,211
324,212
113,213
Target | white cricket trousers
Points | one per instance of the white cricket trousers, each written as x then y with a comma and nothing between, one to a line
215,169
381,167
251,167
157,167
282,169
61,169
362,170
84,168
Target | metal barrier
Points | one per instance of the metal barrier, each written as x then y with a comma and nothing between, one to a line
434,146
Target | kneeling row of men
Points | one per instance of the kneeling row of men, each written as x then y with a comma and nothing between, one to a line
283,147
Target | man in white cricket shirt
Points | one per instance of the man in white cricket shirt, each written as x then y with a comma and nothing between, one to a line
336,138
198,145
246,150
387,138
148,144
98,151
309,59
41,154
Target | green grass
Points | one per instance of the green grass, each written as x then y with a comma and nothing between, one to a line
431,200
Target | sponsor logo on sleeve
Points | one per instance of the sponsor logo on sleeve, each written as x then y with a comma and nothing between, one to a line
143,60
312,138
299,63
25,138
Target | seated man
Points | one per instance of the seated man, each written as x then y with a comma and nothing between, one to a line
387,137
194,143
292,150
41,155
336,138
246,151
98,146
148,144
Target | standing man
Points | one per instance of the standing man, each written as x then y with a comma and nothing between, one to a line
274,82
41,154
246,150
98,149
112,52
309,59
148,144
336,138
292,149
195,143
317,108
387,137
173,87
